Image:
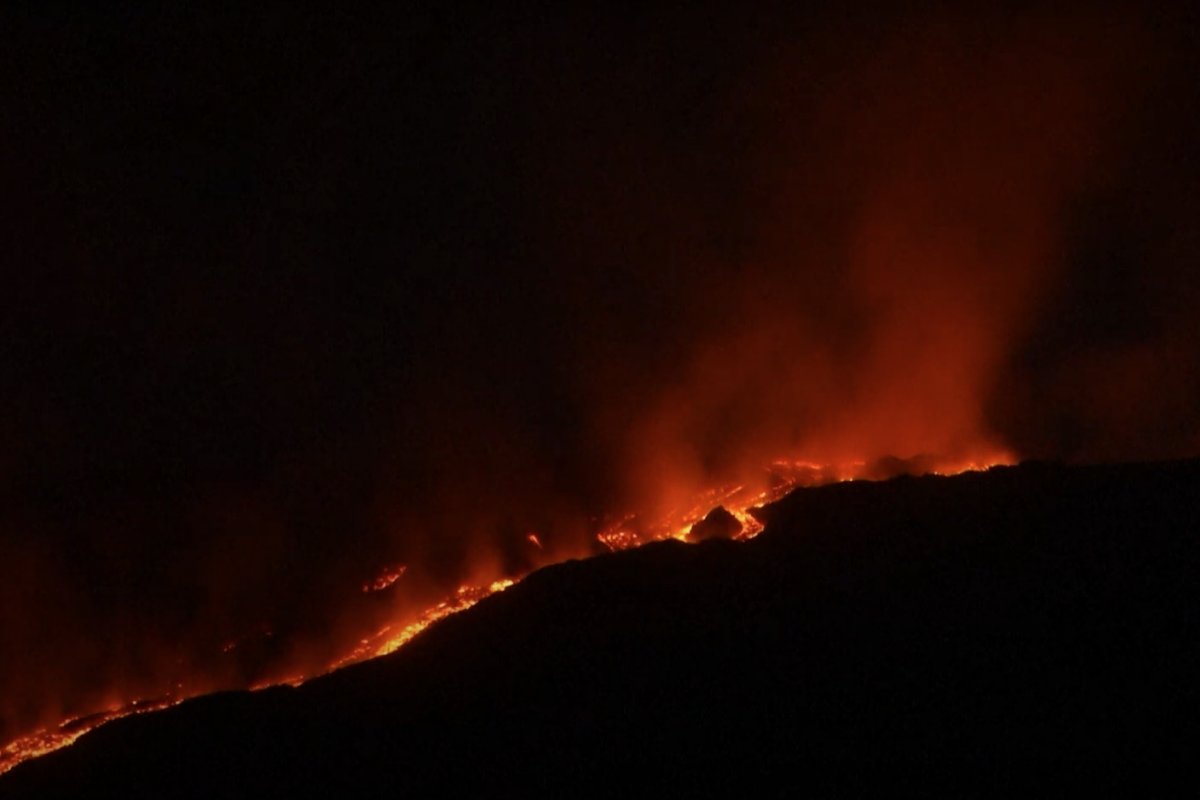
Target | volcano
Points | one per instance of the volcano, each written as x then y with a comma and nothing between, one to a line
406,398
982,624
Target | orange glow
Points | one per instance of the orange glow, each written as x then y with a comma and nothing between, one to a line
618,536
780,478
39,743
390,638
385,578
903,229
628,531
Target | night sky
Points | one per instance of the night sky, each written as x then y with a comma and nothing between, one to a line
289,298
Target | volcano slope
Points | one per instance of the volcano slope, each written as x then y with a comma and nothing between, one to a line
987,622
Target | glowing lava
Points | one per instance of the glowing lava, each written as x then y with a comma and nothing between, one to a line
389,638
627,531
48,740
385,578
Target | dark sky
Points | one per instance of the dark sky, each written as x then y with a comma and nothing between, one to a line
288,297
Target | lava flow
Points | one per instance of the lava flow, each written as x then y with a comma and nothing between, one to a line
627,531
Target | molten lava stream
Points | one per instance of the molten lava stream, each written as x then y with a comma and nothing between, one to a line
628,531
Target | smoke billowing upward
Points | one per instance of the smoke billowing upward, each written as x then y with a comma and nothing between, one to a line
291,300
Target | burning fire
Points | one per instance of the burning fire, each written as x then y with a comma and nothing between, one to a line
50,739
903,225
628,531
389,639
385,578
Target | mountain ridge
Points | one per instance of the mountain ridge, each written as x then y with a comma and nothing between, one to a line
987,621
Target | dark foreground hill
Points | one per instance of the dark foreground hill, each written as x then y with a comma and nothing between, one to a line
981,624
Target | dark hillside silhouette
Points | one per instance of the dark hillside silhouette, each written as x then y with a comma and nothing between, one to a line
983,624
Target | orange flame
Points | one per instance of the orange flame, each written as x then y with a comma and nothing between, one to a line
630,530
385,578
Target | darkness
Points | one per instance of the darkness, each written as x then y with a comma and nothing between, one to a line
1013,627
289,297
